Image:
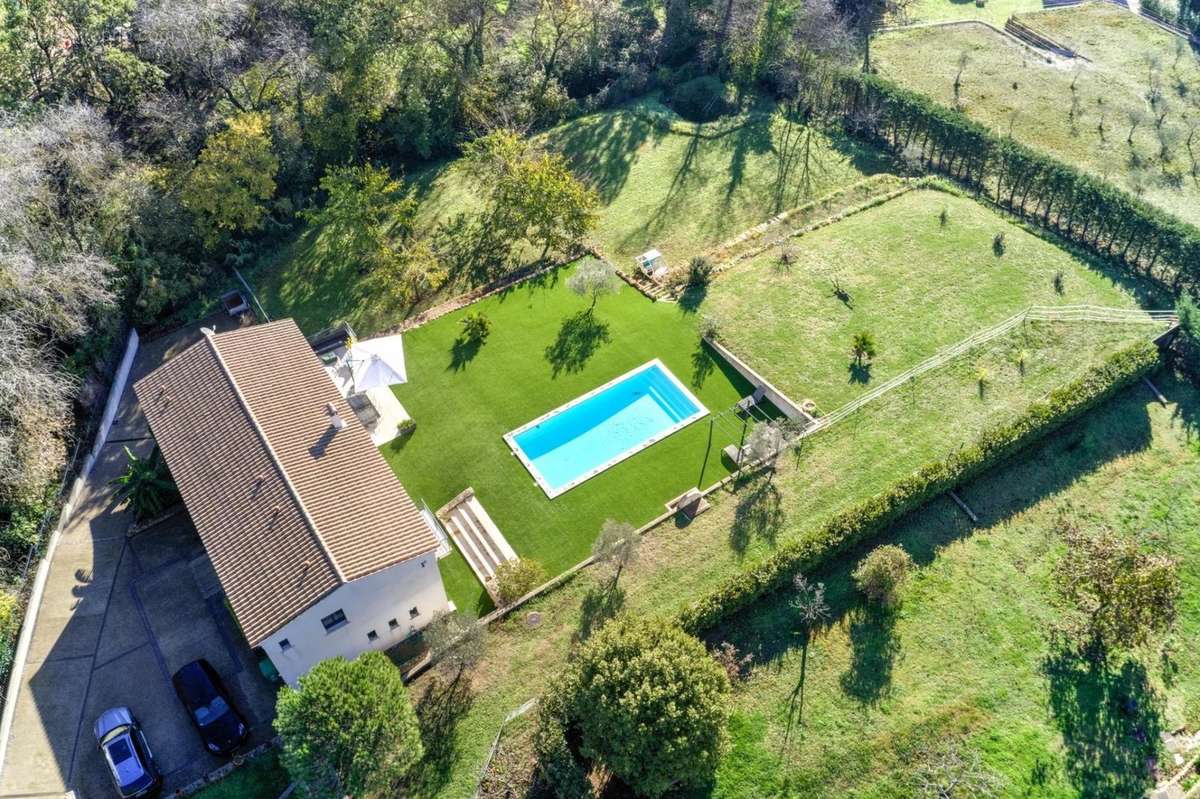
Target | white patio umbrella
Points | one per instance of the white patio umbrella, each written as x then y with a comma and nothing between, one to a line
377,362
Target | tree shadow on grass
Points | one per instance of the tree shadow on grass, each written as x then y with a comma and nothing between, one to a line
602,602
874,646
439,709
759,514
462,353
860,373
692,298
1109,720
703,363
578,339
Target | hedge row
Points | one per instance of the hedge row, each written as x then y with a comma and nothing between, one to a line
935,478
1082,208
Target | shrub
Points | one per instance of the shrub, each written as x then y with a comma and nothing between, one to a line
862,346
881,573
516,578
708,326
700,271
475,327
998,245
701,99
349,729
944,217
1059,282
734,662
406,428
649,703
870,517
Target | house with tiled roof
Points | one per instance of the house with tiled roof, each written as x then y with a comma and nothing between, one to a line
318,547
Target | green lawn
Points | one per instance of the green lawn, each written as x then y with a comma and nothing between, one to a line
994,11
663,183
967,655
1010,89
846,464
261,778
543,351
917,285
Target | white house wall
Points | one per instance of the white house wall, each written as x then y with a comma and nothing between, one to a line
369,603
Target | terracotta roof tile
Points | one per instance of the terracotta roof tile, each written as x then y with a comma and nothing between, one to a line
288,508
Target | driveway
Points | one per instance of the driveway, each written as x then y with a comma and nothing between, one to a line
119,615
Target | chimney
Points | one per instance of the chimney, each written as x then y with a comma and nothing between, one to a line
335,419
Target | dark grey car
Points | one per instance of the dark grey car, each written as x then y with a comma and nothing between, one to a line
125,751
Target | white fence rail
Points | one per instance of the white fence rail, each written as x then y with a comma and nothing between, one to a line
1035,313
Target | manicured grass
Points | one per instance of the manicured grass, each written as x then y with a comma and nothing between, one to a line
545,350
915,284
846,464
967,655
994,11
663,183
1010,89
260,778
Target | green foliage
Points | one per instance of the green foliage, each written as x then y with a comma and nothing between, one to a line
881,573
862,346
870,517
348,729
616,545
233,178
516,578
365,215
1189,334
998,244
456,639
649,703
700,270
701,99
1122,595
146,485
475,327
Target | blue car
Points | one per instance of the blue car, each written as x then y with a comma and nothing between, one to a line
130,761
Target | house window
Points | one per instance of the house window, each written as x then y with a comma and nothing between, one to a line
413,613
333,620
393,624
372,636
285,645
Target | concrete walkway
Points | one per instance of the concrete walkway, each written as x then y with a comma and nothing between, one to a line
94,645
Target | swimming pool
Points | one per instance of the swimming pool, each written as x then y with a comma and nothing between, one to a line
577,441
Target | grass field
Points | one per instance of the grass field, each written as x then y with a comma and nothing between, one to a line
544,350
994,11
917,285
662,183
967,655
845,464
1012,90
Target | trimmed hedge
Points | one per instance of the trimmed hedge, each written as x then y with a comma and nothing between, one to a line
931,480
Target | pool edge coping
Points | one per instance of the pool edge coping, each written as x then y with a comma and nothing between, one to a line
552,493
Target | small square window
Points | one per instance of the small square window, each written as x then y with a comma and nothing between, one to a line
372,636
285,645
333,620
393,624
413,613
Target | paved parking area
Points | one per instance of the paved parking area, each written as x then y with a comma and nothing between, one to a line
119,615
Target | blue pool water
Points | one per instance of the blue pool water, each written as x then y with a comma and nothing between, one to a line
586,436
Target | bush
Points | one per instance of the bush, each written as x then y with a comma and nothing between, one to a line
349,729
881,573
933,479
701,99
475,327
998,245
516,578
700,271
649,703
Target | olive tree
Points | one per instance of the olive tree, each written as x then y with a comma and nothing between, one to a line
594,279
616,545
881,573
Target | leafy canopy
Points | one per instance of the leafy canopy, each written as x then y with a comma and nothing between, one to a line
349,728
233,178
649,703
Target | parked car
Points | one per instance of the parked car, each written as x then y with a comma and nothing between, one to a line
130,761
199,688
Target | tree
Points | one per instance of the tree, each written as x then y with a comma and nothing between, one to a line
348,729
456,639
862,347
233,178
649,703
146,485
953,771
516,578
1189,334
881,573
365,212
616,546
809,602
1122,595
765,442
593,279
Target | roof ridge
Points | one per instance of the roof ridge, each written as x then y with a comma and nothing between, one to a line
308,519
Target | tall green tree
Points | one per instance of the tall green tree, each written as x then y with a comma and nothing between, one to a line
649,703
348,729
366,213
233,178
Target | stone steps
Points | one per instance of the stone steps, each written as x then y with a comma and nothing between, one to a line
476,536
